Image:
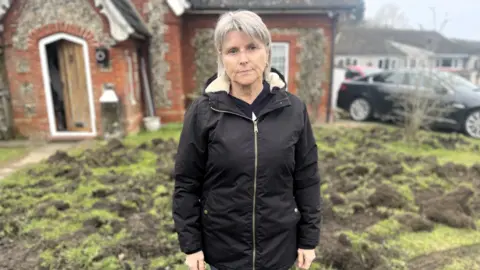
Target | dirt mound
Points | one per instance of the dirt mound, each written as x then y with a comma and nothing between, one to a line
451,209
415,222
387,196
341,255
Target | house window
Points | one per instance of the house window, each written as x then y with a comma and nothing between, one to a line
354,62
413,63
280,57
447,62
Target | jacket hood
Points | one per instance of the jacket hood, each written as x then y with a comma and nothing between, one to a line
218,84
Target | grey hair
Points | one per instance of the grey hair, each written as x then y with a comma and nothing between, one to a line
247,22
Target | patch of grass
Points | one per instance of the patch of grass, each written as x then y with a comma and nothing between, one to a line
167,131
386,228
464,264
462,156
146,166
12,154
441,238
82,255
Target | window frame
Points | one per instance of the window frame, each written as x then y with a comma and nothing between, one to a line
286,46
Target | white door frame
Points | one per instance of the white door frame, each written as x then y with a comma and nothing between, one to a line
48,91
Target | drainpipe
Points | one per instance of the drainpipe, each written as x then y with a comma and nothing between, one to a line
334,18
148,59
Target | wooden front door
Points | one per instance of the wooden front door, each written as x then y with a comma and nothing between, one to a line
74,80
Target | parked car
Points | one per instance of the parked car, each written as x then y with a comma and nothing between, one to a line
352,72
371,97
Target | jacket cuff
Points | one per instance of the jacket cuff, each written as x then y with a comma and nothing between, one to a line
191,249
306,244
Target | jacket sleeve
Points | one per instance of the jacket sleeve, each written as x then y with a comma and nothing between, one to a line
189,172
307,186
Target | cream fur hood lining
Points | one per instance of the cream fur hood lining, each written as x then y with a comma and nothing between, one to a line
223,84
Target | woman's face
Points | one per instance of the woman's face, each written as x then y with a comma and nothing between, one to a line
244,58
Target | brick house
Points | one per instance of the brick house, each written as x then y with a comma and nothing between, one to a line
159,54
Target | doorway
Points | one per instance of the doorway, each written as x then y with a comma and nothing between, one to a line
67,83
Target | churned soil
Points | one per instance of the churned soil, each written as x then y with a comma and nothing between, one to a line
109,207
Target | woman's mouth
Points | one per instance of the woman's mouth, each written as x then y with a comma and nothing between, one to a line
244,71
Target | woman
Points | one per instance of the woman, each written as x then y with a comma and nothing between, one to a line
247,189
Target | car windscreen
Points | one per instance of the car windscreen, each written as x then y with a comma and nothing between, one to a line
456,81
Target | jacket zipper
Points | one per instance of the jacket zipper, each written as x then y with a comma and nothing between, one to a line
255,132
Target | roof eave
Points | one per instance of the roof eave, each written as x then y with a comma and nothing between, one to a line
272,10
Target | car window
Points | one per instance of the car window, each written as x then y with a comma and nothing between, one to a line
350,74
390,77
423,81
455,81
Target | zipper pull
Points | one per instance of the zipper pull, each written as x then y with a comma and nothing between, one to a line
255,127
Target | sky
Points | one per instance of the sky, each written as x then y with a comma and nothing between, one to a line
463,16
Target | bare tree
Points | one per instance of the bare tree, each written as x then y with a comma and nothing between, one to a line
419,105
388,16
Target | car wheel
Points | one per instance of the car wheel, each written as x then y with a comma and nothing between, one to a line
360,109
472,124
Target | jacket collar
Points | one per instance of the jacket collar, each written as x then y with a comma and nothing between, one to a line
222,84
217,89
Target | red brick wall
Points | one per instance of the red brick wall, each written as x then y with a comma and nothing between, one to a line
174,38
131,98
193,22
116,74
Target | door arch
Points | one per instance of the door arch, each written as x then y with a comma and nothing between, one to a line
68,83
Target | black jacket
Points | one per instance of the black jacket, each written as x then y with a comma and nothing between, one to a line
247,192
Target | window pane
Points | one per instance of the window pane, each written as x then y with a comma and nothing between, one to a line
280,58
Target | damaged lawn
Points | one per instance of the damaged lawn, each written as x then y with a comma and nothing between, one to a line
386,205
9,154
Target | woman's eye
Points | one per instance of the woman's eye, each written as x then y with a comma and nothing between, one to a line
253,47
232,51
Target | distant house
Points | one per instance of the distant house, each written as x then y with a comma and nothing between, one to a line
396,48
59,56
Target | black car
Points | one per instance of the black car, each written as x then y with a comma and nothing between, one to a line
376,96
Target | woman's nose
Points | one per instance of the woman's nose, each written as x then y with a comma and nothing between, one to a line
243,57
